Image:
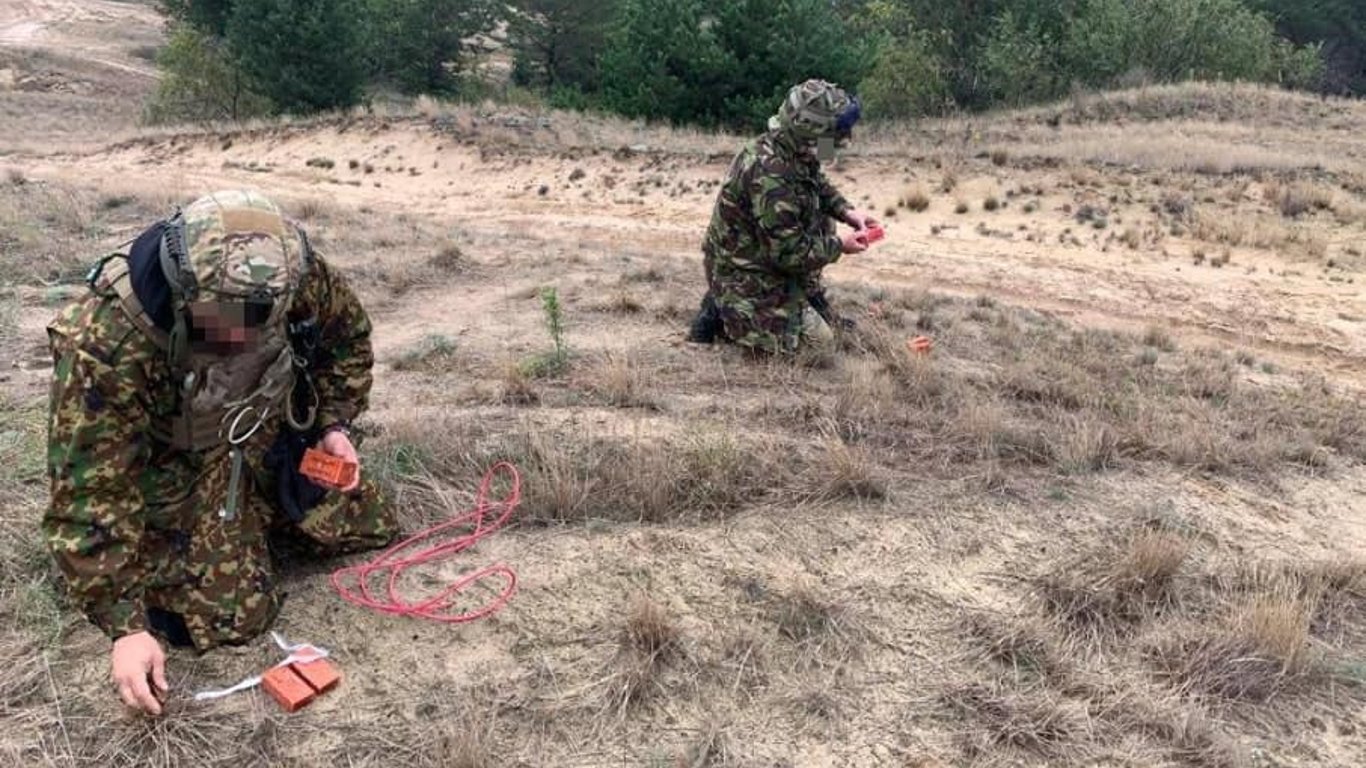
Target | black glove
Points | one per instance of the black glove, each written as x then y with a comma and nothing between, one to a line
706,327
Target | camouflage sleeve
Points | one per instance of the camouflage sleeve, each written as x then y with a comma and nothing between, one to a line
833,203
791,244
97,449
342,370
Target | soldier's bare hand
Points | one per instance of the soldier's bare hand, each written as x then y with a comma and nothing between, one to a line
854,242
860,220
139,665
336,443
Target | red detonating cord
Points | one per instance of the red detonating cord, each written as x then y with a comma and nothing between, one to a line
353,582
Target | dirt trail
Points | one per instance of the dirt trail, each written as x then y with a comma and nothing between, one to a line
91,30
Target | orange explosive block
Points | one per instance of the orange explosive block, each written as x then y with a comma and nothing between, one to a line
326,469
875,233
295,685
920,345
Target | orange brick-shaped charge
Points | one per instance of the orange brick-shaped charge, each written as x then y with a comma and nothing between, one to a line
288,688
326,469
920,345
875,233
321,675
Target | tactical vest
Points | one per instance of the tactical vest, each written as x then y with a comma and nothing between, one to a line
220,397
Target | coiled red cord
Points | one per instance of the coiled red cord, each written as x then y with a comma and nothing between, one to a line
353,582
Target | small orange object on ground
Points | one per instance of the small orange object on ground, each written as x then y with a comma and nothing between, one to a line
295,685
920,345
287,688
326,469
875,233
320,675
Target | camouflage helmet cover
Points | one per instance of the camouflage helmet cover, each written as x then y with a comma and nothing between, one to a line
239,247
816,109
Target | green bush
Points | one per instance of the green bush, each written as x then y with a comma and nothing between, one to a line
424,45
1017,63
207,16
556,43
723,62
200,81
906,80
305,55
728,62
1175,40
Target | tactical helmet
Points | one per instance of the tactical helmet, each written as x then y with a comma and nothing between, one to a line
235,246
817,109
232,248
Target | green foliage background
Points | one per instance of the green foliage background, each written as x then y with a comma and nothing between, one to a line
728,62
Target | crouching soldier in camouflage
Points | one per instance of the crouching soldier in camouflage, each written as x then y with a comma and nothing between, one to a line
187,384
772,229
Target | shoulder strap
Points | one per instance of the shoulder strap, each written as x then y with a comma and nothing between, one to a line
113,277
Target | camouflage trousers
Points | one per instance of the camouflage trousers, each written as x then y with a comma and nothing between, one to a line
215,583
767,315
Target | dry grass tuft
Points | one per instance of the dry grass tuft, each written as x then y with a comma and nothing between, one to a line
312,210
24,674
916,199
449,259
844,471
467,742
866,401
516,386
649,628
1024,644
1261,648
713,748
1113,589
1084,444
1054,382
1295,200
572,477
1035,718
820,628
433,352
649,641
1184,727
624,380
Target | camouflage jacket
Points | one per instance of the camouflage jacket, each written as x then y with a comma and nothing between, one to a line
770,235
131,522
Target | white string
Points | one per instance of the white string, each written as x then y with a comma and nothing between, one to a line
301,653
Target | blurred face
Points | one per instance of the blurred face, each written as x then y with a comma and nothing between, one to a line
825,149
226,327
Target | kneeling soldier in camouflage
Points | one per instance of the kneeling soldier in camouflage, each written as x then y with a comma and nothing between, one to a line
187,384
772,230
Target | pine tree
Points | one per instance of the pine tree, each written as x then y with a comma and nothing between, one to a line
305,55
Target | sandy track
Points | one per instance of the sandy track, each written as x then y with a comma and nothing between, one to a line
92,30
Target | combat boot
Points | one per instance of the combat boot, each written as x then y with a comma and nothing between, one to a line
706,327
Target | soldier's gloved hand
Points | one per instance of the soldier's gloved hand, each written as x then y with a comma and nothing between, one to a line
854,242
139,667
336,443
